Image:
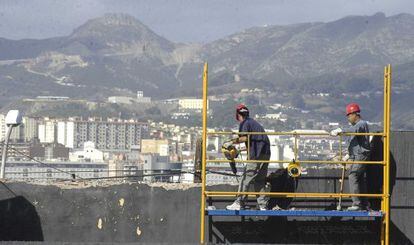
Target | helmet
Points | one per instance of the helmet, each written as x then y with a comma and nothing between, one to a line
242,109
352,108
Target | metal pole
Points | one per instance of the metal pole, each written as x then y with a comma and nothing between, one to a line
295,150
387,165
248,147
4,154
384,143
204,156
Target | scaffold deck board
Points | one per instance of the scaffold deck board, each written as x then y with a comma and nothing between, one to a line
307,213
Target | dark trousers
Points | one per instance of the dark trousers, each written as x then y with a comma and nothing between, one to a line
356,178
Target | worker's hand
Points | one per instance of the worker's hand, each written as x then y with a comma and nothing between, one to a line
227,144
335,132
345,158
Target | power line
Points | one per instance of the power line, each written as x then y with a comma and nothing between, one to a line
103,171
48,165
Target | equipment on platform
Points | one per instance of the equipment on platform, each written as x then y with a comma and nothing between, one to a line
294,169
341,189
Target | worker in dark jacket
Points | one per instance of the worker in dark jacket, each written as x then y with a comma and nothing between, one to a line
358,150
259,149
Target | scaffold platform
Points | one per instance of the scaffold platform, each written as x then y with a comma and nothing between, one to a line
303,213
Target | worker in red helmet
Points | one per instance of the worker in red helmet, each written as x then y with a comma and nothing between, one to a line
358,150
259,149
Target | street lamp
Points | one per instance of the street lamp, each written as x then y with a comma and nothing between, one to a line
13,119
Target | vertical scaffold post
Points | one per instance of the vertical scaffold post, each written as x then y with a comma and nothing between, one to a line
296,147
204,156
387,152
384,125
385,202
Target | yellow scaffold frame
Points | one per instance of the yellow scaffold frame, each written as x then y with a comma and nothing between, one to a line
385,196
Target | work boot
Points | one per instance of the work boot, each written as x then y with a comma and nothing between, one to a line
235,206
277,207
263,207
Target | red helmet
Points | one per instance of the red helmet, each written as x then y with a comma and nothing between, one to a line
352,108
241,109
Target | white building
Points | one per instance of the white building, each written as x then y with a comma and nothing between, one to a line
88,154
141,98
65,133
191,104
121,100
47,131
130,100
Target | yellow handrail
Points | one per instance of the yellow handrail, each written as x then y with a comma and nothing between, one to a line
291,133
385,162
222,160
289,194
385,204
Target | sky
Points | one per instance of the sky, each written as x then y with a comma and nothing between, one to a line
182,20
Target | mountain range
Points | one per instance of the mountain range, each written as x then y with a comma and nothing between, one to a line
117,54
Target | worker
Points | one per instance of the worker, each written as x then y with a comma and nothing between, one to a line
258,149
358,150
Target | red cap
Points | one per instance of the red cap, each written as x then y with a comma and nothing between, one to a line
241,108
352,108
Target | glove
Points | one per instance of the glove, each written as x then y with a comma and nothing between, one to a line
227,144
345,158
335,132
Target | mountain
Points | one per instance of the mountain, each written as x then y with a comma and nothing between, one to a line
117,54
357,44
115,51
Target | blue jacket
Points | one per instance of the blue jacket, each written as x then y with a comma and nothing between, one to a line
259,144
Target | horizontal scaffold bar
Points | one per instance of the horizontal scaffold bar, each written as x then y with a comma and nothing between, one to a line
289,194
222,160
304,213
290,133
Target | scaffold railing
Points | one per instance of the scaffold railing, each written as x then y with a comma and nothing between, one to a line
384,196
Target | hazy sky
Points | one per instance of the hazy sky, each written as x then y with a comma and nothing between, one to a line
181,20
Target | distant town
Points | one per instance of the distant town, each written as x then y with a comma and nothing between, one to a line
98,147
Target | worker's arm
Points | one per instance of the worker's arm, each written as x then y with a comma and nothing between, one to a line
240,139
351,129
